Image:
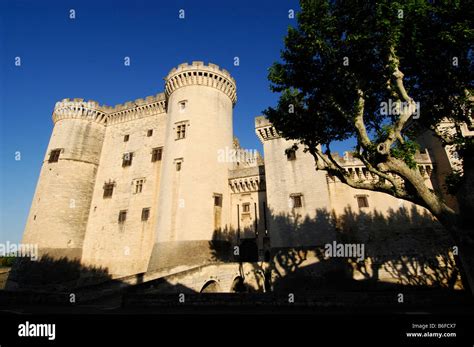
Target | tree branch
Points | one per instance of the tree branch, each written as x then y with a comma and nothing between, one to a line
397,188
395,132
327,163
359,121
427,197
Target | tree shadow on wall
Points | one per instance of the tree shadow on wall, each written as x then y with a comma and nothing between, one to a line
401,248
54,274
224,242
408,246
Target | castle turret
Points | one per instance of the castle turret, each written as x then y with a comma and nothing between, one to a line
60,208
194,201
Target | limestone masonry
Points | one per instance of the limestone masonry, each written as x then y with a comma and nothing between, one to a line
161,182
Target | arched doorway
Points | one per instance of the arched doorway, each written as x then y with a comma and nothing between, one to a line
211,287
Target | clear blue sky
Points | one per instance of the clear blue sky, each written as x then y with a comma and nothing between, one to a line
64,58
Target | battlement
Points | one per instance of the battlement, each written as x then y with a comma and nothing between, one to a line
91,110
198,73
78,108
137,103
199,65
265,130
138,108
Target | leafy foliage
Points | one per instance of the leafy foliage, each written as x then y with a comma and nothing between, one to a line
6,261
369,69
339,47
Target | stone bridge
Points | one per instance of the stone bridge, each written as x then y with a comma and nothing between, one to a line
214,278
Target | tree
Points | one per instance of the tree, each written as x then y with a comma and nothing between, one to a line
346,60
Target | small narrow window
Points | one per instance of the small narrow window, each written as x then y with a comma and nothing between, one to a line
156,154
127,159
362,201
179,163
149,132
139,186
291,154
145,214
122,216
246,208
296,200
218,200
108,190
126,138
182,105
180,131
54,155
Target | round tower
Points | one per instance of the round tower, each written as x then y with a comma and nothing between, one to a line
60,208
194,200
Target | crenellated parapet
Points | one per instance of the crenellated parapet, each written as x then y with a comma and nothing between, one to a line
79,109
250,179
265,130
358,171
195,74
199,74
108,115
139,108
247,184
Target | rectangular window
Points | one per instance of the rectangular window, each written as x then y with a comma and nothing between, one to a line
290,154
149,132
54,155
179,163
180,131
127,159
126,138
122,216
246,208
156,154
108,190
218,200
139,185
296,200
362,201
145,214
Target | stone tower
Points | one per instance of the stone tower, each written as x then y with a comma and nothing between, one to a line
194,198
60,208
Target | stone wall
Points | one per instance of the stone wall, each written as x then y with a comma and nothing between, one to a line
200,100
60,208
289,225
124,248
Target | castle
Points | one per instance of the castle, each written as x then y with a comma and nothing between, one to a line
144,185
